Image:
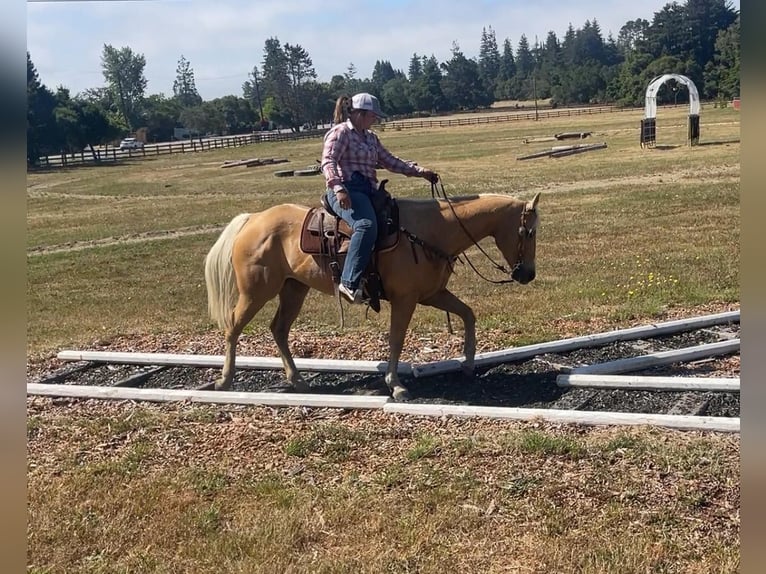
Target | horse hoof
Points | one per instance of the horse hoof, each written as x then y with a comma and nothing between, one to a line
468,372
222,385
300,387
401,395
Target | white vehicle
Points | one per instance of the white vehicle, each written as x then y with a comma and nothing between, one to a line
131,143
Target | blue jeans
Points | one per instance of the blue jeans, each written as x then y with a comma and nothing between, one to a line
364,225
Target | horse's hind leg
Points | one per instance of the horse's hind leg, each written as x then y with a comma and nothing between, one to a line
401,314
447,301
242,314
291,299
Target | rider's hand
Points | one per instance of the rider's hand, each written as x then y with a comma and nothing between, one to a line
431,176
344,199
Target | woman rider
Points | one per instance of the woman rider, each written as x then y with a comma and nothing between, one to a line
350,156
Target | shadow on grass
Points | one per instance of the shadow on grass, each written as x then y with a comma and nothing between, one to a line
665,147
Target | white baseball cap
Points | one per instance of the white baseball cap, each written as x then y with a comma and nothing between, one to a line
365,101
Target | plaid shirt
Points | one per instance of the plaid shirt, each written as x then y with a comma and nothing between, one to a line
346,151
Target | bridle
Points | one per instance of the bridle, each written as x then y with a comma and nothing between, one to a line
525,233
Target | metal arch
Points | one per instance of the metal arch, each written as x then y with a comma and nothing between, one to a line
650,109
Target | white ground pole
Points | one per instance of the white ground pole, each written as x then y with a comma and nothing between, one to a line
562,345
660,358
418,370
681,422
220,397
645,383
216,361
684,422
594,418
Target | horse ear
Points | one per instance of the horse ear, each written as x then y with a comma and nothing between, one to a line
533,204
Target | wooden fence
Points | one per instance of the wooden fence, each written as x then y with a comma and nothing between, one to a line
114,154
496,118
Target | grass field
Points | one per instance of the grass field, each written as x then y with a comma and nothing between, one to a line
626,233
627,236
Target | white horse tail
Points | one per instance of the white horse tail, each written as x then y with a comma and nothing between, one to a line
219,274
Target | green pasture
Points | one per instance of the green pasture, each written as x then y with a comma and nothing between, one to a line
626,233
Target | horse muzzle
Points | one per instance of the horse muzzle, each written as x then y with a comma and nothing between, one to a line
523,273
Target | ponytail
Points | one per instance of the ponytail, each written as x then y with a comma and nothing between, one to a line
342,109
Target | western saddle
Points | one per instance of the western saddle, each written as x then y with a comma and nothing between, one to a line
325,235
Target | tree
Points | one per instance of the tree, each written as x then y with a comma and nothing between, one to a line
704,20
382,73
462,85
353,84
124,74
722,74
79,123
506,73
633,36
184,87
668,34
525,61
489,60
40,123
161,116
203,119
286,69
426,92
415,71
236,114
301,71
396,95
252,92
318,102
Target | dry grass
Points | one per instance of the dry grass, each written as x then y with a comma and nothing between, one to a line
203,489
628,236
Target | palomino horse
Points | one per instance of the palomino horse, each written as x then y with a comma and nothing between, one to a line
257,257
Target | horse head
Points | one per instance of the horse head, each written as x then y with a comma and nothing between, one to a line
523,270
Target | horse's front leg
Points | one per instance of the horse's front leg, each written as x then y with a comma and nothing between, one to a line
447,301
401,314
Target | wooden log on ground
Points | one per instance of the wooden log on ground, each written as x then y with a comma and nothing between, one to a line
269,161
540,139
571,135
235,163
641,383
579,149
535,155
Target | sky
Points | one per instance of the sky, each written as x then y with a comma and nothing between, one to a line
223,39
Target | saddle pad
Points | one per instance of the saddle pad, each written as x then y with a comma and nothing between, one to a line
318,228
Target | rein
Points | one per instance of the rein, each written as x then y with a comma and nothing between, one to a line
502,268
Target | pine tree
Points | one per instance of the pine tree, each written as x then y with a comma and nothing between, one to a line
489,60
184,88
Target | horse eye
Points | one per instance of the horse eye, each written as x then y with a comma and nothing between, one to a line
522,230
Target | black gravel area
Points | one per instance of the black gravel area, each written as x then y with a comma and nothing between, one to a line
527,384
